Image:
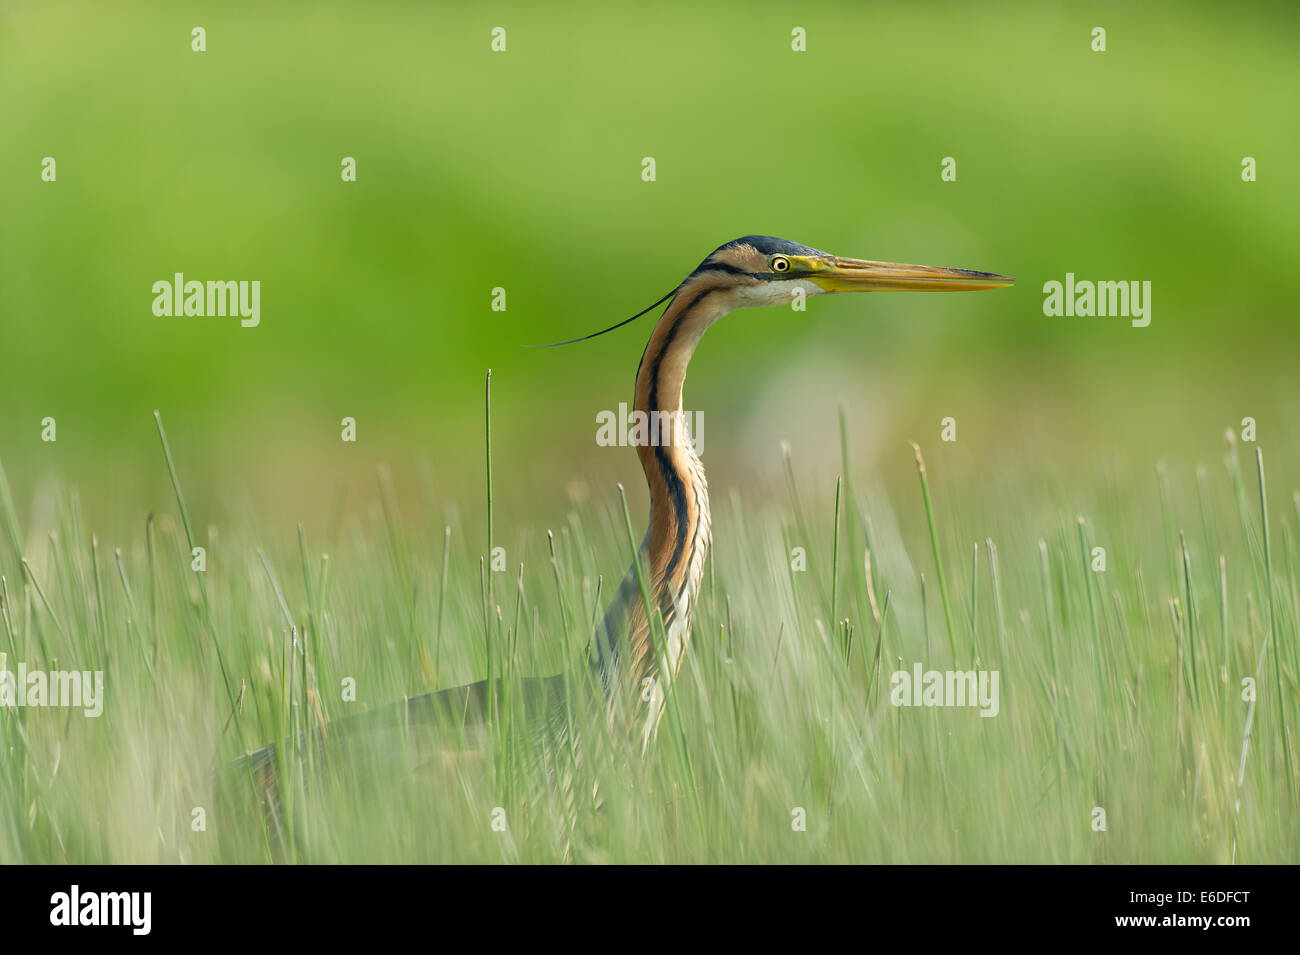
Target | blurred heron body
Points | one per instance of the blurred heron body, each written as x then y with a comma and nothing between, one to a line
658,595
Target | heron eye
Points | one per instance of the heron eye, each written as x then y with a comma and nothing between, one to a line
780,263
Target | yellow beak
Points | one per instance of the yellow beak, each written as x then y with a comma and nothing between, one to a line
835,274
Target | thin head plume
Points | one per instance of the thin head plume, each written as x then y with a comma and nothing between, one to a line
571,341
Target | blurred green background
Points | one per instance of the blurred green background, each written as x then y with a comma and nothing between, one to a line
522,170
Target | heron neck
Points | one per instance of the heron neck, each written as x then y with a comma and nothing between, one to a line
674,474
676,543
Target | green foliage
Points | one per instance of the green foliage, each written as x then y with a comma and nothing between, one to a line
1106,697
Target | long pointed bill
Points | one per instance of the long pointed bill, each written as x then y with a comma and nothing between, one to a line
835,274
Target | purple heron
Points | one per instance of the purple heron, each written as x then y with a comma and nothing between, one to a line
657,597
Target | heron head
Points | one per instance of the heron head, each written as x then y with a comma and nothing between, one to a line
770,271
762,270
